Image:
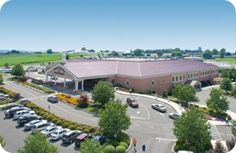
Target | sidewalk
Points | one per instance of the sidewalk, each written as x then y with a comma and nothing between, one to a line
175,106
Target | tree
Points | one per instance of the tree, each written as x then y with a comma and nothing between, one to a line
114,119
222,53
233,92
217,101
233,128
2,142
18,71
184,93
67,56
6,65
103,92
207,54
37,143
215,52
49,51
1,79
226,84
90,146
138,52
232,74
83,49
192,132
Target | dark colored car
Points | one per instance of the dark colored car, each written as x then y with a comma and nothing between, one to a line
132,103
81,138
52,99
159,108
25,119
69,137
10,112
174,116
102,139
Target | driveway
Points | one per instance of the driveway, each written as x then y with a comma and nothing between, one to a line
150,127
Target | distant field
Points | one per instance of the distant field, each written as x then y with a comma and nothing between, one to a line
226,60
31,58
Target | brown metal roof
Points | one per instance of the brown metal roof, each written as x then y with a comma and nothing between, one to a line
137,69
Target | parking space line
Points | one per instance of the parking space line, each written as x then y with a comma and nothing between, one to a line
137,118
148,113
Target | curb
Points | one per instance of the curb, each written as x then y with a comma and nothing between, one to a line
130,145
172,149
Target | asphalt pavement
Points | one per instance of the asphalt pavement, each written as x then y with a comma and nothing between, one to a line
148,126
14,137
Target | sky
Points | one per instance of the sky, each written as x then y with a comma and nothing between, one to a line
117,24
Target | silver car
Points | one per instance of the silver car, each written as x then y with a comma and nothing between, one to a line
57,134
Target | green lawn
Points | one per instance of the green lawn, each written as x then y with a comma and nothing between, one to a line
32,58
226,60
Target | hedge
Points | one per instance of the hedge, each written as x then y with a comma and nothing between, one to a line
14,96
60,121
109,149
120,149
43,89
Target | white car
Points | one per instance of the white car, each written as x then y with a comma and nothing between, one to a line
23,112
57,134
49,129
29,125
40,125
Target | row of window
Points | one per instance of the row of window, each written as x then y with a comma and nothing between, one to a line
177,78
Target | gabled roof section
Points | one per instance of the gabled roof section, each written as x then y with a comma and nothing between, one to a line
135,69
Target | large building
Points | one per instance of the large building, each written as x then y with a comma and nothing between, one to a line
143,76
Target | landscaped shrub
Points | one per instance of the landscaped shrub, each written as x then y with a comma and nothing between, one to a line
109,149
120,149
123,144
72,127
57,120
83,101
14,96
68,99
92,129
41,88
65,125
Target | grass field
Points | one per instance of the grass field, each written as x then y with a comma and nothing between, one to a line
32,58
226,60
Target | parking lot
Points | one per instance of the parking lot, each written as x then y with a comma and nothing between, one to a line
150,126
15,137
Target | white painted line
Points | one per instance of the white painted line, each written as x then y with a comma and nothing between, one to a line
148,113
138,118
165,139
162,114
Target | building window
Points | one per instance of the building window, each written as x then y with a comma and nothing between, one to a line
176,78
127,83
180,78
173,79
153,82
184,77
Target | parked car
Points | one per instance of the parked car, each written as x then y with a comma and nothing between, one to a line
40,125
26,119
4,96
9,106
10,112
52,99
174,116
22,112
28,126
102,139
132,103
48,130
81,138
58,134
159,107
69,137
